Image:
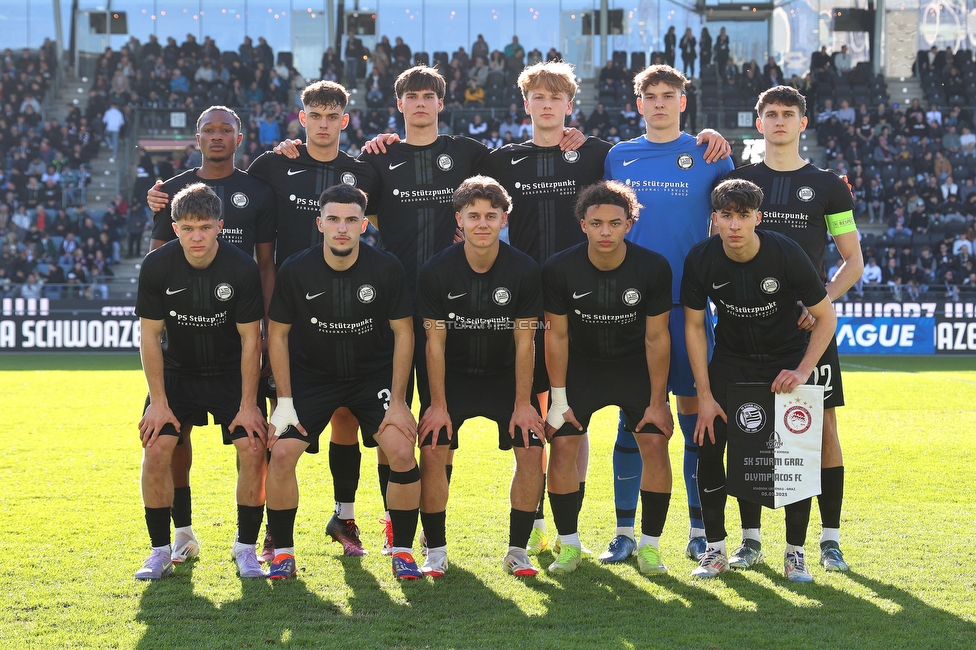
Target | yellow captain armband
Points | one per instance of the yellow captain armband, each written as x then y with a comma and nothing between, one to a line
840,223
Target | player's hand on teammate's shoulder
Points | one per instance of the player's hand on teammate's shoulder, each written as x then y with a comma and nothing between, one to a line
153,420
400,417
288,148
572,139
526,418
658,414
708,410
251,418
434,419
718,147
378,142
156,198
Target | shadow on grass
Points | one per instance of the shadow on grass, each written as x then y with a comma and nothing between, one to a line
595,607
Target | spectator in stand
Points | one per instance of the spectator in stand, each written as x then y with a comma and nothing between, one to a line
876,201
933,114
721,49
872,273
948,186
479,71
474,95
898,224
553,55
113,121
670,45
477,128
688,53
480,48
842,61
598,121
353,53
772,74
918,223
967,141
401,51
845,113
514,56
705,47
860,194
269,132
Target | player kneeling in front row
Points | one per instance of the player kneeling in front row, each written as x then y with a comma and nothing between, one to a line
341,334
207,295
607,303
481,301
755,279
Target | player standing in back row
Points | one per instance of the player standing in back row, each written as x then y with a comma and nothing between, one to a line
806,204
667,170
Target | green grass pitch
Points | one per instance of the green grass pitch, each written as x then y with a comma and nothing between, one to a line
73,534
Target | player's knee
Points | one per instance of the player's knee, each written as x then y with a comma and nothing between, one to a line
401,456
284,457
158,456
528,461
251,458
345,427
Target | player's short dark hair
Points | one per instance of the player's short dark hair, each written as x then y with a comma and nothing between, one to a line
343,193
214,109
327,94
659,74
784,96
196,202
481,187
420,78
608,193
736,194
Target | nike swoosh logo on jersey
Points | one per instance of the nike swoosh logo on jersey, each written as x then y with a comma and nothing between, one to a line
309,296
714,490
516,161
392,166
292,172
718,286
627,162
625,478
170,292
577,296
451,296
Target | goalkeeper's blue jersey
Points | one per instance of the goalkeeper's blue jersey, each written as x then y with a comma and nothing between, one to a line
674,184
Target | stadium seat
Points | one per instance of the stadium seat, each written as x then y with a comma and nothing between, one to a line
421,58
286,59
638,61
620,59
442,59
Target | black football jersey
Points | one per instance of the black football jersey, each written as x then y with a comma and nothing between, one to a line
201,307
544,183
756,300
297,186
247,206
804,205
479,310
340,319
607,310
415,207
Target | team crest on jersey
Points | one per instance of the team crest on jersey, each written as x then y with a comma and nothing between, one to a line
445,163
769,285
750,417
501,296
571,156
367,294
239,199
223,291
631,297
797,419
348,178
685,161
805,193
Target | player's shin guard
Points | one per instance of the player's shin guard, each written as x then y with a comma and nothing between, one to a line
797,519
687,424
182,508
384,475
281,523
249,523
565,512
831,496
344,464
655,512
712,491
627,469
540,512
750,514
404,521
157,522
435,528
520,527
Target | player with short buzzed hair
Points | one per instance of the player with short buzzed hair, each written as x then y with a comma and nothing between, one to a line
481,301
756,280
207,296
341,335
607,303
809,205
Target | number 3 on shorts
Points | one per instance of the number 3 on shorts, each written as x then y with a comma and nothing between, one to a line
385,395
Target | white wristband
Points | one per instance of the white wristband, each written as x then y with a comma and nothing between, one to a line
559,406
284,415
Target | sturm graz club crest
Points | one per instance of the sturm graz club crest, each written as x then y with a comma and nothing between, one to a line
750,417
631,297
571,156
348,178
685,161
366,294
239,199
805,193
769,285
444,162
501,296
223,292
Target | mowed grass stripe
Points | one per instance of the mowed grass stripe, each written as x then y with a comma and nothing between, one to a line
69,493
